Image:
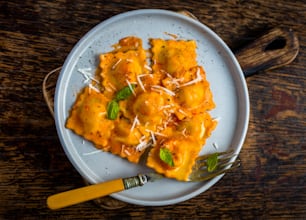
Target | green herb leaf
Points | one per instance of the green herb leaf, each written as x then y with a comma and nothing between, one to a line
166,156
112,110
212,162
124,93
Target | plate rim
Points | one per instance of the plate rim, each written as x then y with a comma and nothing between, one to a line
243,84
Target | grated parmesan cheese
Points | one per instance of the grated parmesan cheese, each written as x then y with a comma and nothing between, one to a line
184,113
140,82
169,92
142,145
135,122
130,86
155,133
194,81
102,113
93,88
202,130
127,152
87,74
184,132
116,64
165,106
174,81
217,119
148,67
113,88
91,153
153,138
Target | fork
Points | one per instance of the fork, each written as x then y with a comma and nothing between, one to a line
225,162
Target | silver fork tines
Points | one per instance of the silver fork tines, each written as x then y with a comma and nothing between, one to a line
225,163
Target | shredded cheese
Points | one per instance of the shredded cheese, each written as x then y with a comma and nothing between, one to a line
184,132
113,88
130,86
155,133
116,64
194,81
169,92
102,113
135,122
165,106
202,130
142,145
153,137
148,67
217,119
127,152
122,148
140,82
93,88
182,111
92,152
174,81
87,74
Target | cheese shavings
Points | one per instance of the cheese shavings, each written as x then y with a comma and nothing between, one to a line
127,152
92,152
184,132
165,107
153,137
184,113
202,130
142,145
156,133
147,67
116,64
217,119
174,81
87,74
135,122
131,87
140,82
169,92
194,81
92,87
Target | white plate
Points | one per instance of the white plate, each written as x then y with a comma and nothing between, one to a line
223,72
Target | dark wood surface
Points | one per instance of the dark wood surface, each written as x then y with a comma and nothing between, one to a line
36,36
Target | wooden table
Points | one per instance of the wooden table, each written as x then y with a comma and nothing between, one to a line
36,37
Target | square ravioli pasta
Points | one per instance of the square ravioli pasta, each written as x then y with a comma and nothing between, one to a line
161,108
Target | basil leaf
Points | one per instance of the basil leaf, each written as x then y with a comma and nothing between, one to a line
166,156
112,110
212,162
124,93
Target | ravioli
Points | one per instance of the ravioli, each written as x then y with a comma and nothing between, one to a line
190,123
166,109
87,118
123,65
174,57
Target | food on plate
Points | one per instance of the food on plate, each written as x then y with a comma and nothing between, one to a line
157,100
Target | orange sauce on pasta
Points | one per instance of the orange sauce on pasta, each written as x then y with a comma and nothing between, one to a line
169,107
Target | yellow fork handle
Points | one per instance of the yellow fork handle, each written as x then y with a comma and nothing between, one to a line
83,194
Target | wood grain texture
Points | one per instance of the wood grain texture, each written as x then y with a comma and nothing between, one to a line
36,37
275,48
